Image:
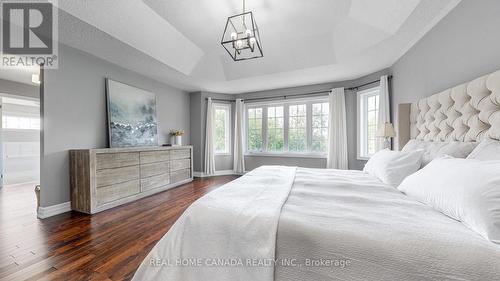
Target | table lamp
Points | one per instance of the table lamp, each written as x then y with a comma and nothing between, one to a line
387,132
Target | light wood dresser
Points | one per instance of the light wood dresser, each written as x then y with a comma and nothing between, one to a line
104,178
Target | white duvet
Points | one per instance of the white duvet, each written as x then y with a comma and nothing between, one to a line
282,223
226,234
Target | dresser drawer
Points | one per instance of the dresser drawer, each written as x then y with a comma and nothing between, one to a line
153,169
154,156
154,182
113,176
180,154
116,160
180,164
106,194
180,175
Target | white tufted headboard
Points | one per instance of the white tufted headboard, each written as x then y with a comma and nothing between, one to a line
468,112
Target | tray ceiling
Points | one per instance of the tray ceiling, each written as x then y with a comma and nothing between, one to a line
304,42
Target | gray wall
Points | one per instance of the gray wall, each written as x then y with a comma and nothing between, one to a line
74,112
196,126
198,105
463,46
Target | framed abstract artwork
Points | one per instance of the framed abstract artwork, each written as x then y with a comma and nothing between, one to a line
131,115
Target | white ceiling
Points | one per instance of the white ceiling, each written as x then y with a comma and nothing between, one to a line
304,42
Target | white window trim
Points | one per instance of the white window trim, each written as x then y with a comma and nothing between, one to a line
361,131
228,132
285,103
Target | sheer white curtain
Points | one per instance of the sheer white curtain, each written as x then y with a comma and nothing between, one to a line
383,109
337,131
209,140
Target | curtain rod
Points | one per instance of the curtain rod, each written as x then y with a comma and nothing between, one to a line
366,84
303,94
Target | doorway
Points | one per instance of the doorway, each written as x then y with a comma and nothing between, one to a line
20,142
19,145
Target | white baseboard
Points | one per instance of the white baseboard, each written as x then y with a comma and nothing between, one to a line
45,212
217,173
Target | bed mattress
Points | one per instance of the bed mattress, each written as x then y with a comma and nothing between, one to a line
371,231
315,224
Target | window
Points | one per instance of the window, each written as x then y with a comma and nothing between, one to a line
20,122
297,130
320,126
275,129
254,131
222,120
368,105
298,127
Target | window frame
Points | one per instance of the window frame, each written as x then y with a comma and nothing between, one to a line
362,127
228,132
286,118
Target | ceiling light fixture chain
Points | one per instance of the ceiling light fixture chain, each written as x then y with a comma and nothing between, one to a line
244,13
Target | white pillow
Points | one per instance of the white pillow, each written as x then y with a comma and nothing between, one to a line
457,149
414,144
467,190
430,149
486,150
433,150
391,167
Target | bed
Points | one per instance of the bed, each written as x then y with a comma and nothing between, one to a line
288,223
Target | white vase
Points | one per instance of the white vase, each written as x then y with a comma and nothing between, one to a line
178,140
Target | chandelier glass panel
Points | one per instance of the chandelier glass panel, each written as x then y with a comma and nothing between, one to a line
241,37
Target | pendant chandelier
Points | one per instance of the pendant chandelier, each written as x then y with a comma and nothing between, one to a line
241,37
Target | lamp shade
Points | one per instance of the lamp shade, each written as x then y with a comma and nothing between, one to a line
386,131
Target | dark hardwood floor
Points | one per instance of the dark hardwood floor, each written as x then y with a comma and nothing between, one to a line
74,246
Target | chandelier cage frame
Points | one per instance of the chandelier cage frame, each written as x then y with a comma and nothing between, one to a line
247,50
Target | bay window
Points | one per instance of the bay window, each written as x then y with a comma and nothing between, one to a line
296,127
